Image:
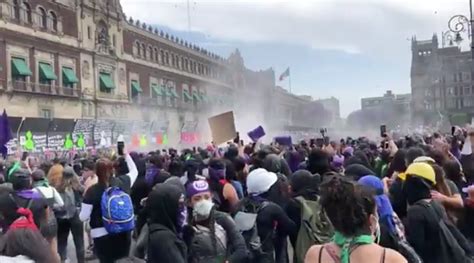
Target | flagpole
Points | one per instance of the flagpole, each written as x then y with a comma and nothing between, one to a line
289,81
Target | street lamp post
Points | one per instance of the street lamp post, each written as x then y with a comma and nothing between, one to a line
459,24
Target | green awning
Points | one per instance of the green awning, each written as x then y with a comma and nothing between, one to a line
196,96
106,81
186,95
69,77
20,68
46,72
172,93
136,86
159,91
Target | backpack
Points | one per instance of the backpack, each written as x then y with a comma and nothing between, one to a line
246,223
117,211
454,246
69,209
202,249
315,227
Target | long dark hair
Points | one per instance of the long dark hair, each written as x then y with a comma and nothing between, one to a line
26,242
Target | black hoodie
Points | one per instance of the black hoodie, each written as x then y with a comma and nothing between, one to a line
164,244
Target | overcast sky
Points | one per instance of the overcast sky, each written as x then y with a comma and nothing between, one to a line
347,49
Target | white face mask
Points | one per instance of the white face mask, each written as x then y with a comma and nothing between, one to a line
202,209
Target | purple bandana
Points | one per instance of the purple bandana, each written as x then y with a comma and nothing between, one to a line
216,174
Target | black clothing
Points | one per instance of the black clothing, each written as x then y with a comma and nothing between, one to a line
112,247
237,250
76,226
164,245
273,226
10,202
357,171
398,199
423,232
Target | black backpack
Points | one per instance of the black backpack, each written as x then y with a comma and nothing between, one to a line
246,223
454,246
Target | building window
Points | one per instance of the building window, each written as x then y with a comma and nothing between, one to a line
167,58
467,90
162,57
150,53
69,77
46,113
138,49
16,10
106,83
46,73
173,60
27,8
182,63
143,51
455,77
114,40
156,54
136,89
20,69
89,33
43,18
54,20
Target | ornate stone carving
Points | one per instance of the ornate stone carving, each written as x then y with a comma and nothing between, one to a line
86,69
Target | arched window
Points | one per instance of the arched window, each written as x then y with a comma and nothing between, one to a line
182,63
167,58
138,49
43,17
150,53
54,20
173,60
143,50
186,64
16,9
27,8
162,57
156,54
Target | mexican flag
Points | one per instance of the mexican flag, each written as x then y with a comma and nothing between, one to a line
285,74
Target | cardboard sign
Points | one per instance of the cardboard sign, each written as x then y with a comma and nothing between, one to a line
222,127
256,133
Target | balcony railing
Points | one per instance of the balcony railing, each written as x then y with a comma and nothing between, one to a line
44,89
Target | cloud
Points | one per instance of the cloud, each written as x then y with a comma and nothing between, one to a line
351,26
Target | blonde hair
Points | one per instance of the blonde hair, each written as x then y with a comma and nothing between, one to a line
55,175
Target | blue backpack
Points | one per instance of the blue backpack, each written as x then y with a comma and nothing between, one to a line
117,211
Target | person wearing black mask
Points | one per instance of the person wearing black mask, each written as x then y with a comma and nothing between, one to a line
167,216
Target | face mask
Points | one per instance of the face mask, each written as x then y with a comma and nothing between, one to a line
202,210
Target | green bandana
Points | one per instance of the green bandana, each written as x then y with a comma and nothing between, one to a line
346,243
16,166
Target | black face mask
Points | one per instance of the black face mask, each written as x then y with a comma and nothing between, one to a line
415,189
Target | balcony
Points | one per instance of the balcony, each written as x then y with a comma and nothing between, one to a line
43,89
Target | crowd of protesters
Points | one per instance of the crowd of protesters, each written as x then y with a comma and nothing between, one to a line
407,199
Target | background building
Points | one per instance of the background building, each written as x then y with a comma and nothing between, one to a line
388,99
331,105
441,81
84,60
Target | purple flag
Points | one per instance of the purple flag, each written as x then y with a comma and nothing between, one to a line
284,140
5,133
256,133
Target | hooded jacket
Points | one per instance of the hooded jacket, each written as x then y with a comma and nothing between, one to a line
164,244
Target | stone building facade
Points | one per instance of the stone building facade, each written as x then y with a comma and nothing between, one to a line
441,80
83,59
